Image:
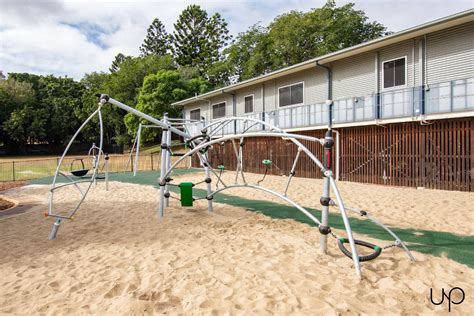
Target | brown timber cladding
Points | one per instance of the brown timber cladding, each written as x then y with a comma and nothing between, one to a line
436,156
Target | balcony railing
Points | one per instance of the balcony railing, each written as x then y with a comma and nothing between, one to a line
446,97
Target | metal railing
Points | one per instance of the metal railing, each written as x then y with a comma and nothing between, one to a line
446,97
21,170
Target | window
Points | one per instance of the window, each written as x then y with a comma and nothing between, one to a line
394,73
218,110
248,103
291,95
195,114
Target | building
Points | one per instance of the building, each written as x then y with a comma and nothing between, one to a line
402,104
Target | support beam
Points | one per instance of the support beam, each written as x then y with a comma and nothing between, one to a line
135,164
104,98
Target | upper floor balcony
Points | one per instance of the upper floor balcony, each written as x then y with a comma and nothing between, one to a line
415,102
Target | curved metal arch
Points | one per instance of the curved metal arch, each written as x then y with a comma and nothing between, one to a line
58,172
294,140
281,196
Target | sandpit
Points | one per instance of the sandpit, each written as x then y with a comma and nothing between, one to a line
118,258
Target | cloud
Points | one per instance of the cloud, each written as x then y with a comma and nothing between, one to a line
79,36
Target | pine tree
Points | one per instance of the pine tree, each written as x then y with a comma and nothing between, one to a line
119,58
218,35
157,41
198,40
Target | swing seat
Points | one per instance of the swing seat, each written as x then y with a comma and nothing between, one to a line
80,172
186,191
221,167
266,162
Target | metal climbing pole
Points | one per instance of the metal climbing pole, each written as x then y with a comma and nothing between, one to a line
168,163
138,138
163,163
207,172
325,197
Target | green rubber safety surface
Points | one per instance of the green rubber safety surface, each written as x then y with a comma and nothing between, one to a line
142,177
455,247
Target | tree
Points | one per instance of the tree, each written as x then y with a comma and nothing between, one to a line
113,124
60,97
43,109
157,41
26,125
159,91
297,36
124,85
250,55
118,60
198,40
14,97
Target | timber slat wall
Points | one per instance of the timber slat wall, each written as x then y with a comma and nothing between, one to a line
436,156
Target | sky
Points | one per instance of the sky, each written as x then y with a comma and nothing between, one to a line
74,37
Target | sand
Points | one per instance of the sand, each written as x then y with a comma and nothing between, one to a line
118,258
449,211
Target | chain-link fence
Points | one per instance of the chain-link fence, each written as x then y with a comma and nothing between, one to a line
19,170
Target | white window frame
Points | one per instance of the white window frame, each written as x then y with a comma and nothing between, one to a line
198,108
406,74
253,103
225,109
291,105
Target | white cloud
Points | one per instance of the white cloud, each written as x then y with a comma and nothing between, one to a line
78,36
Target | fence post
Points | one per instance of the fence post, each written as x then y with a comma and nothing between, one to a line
13,170
151,158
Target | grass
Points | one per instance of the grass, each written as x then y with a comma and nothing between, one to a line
33,169
455,247
25,157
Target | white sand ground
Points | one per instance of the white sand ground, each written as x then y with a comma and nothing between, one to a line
449,211
118,258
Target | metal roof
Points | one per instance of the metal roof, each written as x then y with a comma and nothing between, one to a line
419,30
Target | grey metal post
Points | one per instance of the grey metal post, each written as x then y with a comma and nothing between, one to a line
106,172
135,165
54,229
325,197
293,170
323,239
208,185
208,176
163,164
168,163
